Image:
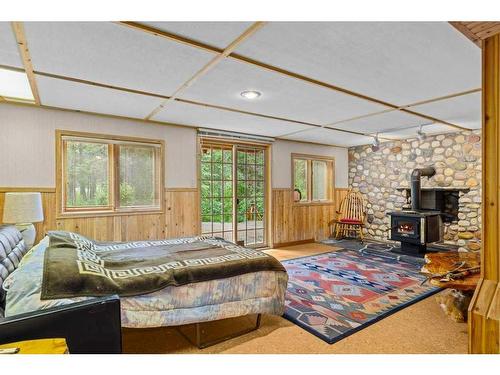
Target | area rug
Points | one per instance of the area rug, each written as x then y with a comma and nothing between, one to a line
335,294
377,248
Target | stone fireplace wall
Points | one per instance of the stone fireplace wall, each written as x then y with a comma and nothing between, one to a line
457,160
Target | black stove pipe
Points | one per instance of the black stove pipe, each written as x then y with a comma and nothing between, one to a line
416,192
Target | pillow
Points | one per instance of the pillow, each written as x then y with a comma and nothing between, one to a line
12,250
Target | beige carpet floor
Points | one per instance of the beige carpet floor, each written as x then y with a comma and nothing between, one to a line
420,328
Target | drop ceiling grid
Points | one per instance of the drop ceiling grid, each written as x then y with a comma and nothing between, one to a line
199,116
412,132
462,110
281,96
332,137
112,54
218,34
413,60
378,123
316,108
9,50
77,96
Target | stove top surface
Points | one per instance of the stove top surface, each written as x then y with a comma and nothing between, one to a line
414,213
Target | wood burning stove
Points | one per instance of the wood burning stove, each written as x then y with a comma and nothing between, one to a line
416,228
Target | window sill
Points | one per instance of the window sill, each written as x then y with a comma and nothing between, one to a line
84,214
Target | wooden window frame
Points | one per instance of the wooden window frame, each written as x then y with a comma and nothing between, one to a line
330,176
113,209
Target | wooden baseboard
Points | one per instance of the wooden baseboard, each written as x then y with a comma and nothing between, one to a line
293,243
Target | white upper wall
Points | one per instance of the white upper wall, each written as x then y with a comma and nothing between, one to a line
27,147
27,144
281,161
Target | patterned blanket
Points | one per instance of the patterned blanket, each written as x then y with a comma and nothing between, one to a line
77,266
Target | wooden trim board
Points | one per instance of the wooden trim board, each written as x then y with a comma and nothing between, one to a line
18,29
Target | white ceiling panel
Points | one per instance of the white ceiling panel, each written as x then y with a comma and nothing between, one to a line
217,34
462,110
15,84
399,62
281,96
71,95
199,116
412,132
382,122
9,51
113,54
330,137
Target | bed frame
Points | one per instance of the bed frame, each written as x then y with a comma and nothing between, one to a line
198,342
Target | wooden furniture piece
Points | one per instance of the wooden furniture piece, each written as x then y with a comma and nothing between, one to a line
351,216
484,310
41,346
458,273
442,263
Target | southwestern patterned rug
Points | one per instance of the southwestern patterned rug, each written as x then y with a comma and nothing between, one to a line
333,295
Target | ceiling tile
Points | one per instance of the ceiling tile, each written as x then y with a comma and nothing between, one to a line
199,116
330,137
281,96
383,122
462,110
15,84
217,34
399,62
9,51
71,95
113,54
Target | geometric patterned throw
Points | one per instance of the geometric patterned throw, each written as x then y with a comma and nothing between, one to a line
333,295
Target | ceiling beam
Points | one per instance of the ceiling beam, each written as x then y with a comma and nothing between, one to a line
477,31
210,65
18,29
467,33
206,47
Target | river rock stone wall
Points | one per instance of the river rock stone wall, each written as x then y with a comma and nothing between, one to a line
457,160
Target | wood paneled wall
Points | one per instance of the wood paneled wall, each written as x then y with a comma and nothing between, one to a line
180,219
293,223
182,212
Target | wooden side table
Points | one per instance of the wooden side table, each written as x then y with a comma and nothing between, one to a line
456,301
42,346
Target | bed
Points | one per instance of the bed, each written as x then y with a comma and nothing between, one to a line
261,292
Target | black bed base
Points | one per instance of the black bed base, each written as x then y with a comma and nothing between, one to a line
199,333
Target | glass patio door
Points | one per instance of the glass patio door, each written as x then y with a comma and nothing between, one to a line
250,195
233,191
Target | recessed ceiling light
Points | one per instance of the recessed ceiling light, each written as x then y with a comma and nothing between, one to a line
250,94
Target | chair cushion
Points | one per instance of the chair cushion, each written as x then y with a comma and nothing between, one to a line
12,250
350,221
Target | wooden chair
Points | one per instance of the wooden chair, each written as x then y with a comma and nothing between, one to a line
351,216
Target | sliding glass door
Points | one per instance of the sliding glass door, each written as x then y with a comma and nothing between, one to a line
233,192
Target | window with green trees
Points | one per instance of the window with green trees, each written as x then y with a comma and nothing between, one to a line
109,174
313,178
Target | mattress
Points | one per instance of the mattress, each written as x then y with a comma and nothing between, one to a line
250,293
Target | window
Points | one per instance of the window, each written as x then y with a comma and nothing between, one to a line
108,174
313,178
